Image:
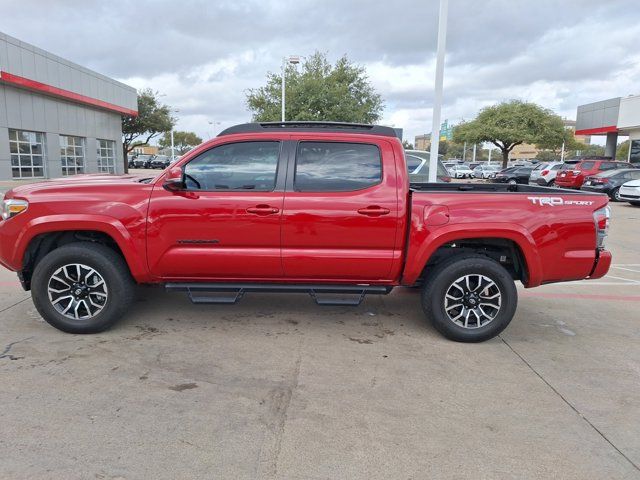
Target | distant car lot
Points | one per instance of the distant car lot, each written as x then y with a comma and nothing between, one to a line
295,391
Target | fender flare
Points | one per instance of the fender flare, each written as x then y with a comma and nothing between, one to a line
417,260
99,223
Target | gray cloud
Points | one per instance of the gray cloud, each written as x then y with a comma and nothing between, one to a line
203,55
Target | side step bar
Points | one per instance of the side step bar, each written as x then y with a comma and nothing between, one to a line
231,293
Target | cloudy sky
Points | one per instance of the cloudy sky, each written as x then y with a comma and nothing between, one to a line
204,55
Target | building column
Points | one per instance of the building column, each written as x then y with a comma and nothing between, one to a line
612,144
5,156
90,155
54,163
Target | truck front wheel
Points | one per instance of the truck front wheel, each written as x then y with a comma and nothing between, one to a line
82,287
469,298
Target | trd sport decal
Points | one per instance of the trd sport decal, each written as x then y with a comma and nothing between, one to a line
557,201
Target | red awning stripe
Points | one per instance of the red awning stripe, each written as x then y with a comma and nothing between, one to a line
29,84
596,131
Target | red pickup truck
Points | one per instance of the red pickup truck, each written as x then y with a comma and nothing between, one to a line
321,208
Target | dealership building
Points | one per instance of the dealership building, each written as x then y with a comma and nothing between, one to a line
613,117
58,118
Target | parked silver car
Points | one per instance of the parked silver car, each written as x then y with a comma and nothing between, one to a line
485,171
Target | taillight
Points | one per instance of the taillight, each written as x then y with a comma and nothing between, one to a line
601,218
544,172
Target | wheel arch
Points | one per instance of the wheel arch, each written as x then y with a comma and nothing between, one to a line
517,247
45,236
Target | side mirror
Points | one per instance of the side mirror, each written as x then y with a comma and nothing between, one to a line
173,181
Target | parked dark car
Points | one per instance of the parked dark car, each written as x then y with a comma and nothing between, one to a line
160,161
513,175
609,182
142,161
418,167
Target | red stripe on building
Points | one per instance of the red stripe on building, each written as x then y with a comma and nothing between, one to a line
596,131
29,84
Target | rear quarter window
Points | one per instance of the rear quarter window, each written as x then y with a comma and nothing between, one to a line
336,167
585,166
608,166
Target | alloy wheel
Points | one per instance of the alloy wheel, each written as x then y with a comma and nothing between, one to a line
472,301
77,291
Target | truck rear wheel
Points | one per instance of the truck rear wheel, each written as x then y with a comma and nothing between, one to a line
469,298
82,287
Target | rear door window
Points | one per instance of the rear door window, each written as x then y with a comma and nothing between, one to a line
336,167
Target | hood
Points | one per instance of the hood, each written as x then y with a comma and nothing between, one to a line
632,183
88,181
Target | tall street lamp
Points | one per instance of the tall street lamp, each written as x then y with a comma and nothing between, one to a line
437,101
293,60
173,156
213,124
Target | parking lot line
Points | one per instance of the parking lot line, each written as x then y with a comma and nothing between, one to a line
582,296
625,268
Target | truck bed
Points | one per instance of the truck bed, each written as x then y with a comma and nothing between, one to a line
493,188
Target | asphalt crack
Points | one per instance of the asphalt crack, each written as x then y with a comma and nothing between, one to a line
564,399
281,400
7,349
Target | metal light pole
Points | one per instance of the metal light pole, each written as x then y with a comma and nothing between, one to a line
173,155
490,150
437,101
294,60
474,153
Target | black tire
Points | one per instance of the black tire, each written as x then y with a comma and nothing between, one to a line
614,195
441,279
120,287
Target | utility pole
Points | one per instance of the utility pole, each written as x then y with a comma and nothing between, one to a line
437,102
464,152
474,153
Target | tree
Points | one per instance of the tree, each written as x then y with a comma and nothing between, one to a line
320,91
152,120
406,145
182,141
509,124
622,152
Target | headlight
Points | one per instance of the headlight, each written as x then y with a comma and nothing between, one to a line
12,207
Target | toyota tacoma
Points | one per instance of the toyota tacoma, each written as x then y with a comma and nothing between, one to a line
322,208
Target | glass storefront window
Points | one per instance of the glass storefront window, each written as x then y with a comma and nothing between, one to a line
27,154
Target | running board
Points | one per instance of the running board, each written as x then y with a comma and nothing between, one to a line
231,293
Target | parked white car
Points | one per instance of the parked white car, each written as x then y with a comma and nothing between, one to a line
461,171
544,174
630,192
486,171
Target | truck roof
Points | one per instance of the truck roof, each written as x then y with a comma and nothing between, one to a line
310,126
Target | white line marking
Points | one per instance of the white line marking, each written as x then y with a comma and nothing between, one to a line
625,265
622,278
587,283
625,268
